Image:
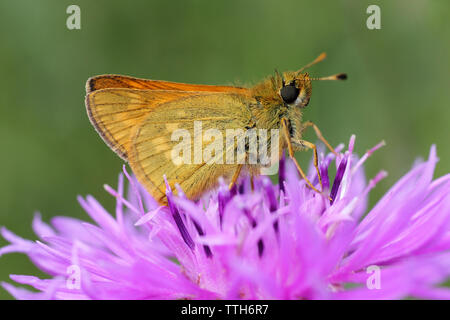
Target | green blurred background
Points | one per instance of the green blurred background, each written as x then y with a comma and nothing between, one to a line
398,87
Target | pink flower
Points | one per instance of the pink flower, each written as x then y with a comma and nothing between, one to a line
273,242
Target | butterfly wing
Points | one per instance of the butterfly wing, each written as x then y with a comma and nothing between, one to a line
114,112
151,148
117,81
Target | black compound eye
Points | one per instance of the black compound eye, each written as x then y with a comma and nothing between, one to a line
289,93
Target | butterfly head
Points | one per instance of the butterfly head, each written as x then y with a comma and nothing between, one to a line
295,89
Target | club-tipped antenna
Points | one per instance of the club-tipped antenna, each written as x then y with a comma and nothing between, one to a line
339,76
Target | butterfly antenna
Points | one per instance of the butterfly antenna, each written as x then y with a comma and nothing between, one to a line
320,58
339,76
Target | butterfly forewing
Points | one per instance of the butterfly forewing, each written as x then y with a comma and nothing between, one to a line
117,81
114,112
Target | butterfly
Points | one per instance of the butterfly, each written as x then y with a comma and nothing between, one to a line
138,119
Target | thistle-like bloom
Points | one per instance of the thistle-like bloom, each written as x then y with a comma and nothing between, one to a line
253,242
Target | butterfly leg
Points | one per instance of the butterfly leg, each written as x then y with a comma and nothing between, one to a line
319,135
291,155
316,158
235,176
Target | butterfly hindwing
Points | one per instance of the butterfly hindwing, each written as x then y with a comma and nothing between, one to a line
152,142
